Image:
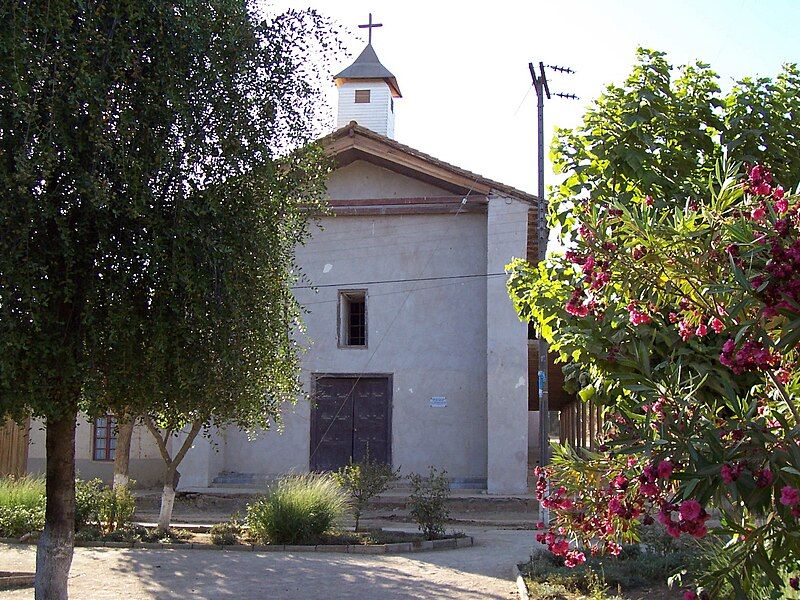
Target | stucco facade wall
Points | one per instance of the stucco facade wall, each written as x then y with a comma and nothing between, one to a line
506,353
145,464
430,336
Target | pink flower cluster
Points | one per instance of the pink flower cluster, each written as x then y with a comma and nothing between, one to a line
638,316
691,518
752,356
578,305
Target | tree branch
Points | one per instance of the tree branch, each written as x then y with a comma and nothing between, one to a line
187,443
162,445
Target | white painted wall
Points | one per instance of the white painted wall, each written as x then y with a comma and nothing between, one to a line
361,180
506,353
429,335
146,465
377,115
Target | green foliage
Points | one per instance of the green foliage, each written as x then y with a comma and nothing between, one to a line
662,131
299,509
672,259
21,506
21,492
115,508
148,235
15,522
88,496
547,576
363,481
226,534
428,500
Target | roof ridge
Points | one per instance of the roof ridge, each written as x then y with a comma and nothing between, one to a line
502,187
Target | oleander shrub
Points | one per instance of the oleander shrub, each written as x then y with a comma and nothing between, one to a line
428,499
297,510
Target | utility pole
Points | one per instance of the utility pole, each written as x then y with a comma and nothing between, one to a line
543,233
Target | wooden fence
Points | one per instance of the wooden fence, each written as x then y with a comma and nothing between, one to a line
581,424
13,449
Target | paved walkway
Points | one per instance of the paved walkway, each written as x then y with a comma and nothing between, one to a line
483,571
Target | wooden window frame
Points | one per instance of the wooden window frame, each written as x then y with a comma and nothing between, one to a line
108,435
361,94
342,320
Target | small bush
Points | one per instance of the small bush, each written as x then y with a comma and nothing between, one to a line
226,534
299,509
16,522
428,497
87,502
115,508
22,504
363,481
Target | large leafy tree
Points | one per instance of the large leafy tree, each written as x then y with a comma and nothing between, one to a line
675,306
147,228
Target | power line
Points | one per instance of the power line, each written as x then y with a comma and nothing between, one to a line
410,280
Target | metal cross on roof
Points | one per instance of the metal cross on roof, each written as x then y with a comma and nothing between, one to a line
369,27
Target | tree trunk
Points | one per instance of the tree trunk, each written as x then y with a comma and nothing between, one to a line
171,477
122,453
171,474
55,547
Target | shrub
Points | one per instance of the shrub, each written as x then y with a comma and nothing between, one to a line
15,522
299,509
115,508
363,481
428,498
87,502
226,534
21,506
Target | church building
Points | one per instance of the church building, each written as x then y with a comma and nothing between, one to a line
414,351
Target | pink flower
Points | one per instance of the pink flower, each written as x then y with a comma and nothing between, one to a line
574,558
689,595
673,530
665,468
690,510
790,496
701,330
764,478
717,325
794,583
648,200
730,473
560,547
758,213
685,330
648,489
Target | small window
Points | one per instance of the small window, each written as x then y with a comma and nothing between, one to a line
391,104
353,318
362,96
105,439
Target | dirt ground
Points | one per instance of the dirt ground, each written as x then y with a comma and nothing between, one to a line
482,571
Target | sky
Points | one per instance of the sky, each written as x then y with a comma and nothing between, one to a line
463,66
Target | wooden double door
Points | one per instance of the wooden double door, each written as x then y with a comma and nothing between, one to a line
350,418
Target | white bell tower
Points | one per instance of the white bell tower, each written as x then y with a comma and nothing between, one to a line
367,91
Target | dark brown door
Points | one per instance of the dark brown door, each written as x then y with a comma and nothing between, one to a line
350,417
